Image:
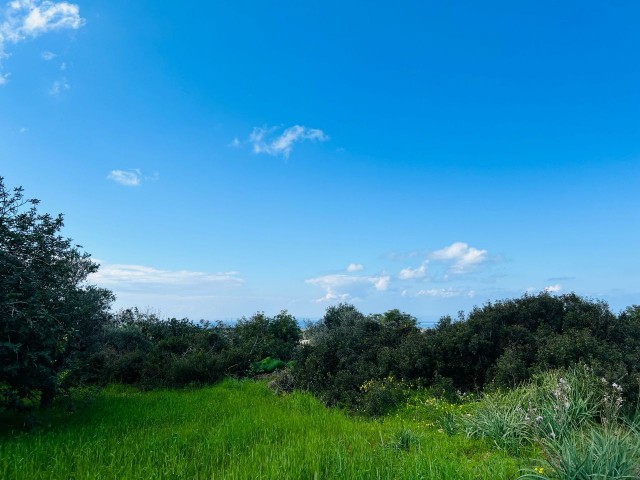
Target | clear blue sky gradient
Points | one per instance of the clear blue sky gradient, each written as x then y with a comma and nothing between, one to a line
511,127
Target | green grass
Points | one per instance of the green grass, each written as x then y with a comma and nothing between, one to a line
236,430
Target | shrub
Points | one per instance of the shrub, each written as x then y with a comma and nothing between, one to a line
379,397
266,365
282,382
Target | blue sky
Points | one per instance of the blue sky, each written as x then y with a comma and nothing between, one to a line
219,158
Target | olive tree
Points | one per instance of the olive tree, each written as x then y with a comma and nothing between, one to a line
47,310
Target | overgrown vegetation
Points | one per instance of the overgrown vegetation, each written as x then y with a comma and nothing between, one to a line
141,349
497,346
574,417
554,375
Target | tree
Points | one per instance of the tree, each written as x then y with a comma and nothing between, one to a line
47,311
347,349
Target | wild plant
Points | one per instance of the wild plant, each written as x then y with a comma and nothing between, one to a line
448,422
500,417
553,411
598,452
580,428
559,408
405,440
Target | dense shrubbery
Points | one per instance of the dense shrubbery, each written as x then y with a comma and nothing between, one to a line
57,332
503,344
347,349
499,345
140,348
369,362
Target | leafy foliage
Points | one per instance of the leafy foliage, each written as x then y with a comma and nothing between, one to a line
347,349
498,345
142,349
48,315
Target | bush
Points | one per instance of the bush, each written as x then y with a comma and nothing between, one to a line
379,397
266,365
346,349
282,382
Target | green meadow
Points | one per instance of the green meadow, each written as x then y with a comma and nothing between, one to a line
235,430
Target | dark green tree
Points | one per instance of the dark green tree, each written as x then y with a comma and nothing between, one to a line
347,349
48,313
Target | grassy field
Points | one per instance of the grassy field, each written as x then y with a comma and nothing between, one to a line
235,430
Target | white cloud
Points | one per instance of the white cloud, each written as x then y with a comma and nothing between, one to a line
128,178
343,287
127,276
4,77
48,55
462,256
23,130
43,16
179,293
382,283
264,141
235,143
23,19
58,87
553,288
446,293
411,273
354,267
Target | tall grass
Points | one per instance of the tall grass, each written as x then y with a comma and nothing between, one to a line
574,418
236,430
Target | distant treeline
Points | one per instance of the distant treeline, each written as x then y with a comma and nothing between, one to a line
498,345
57,332
351,359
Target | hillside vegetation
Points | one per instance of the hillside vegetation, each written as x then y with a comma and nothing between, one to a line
235,430
541,376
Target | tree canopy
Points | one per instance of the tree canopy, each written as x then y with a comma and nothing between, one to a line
48,312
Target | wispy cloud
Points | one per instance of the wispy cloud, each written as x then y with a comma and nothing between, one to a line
196,294
343,287
125,276
553,288
128,178
463,258
58,87
560,279
23,19
265,139
354,267
47,55
446,293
